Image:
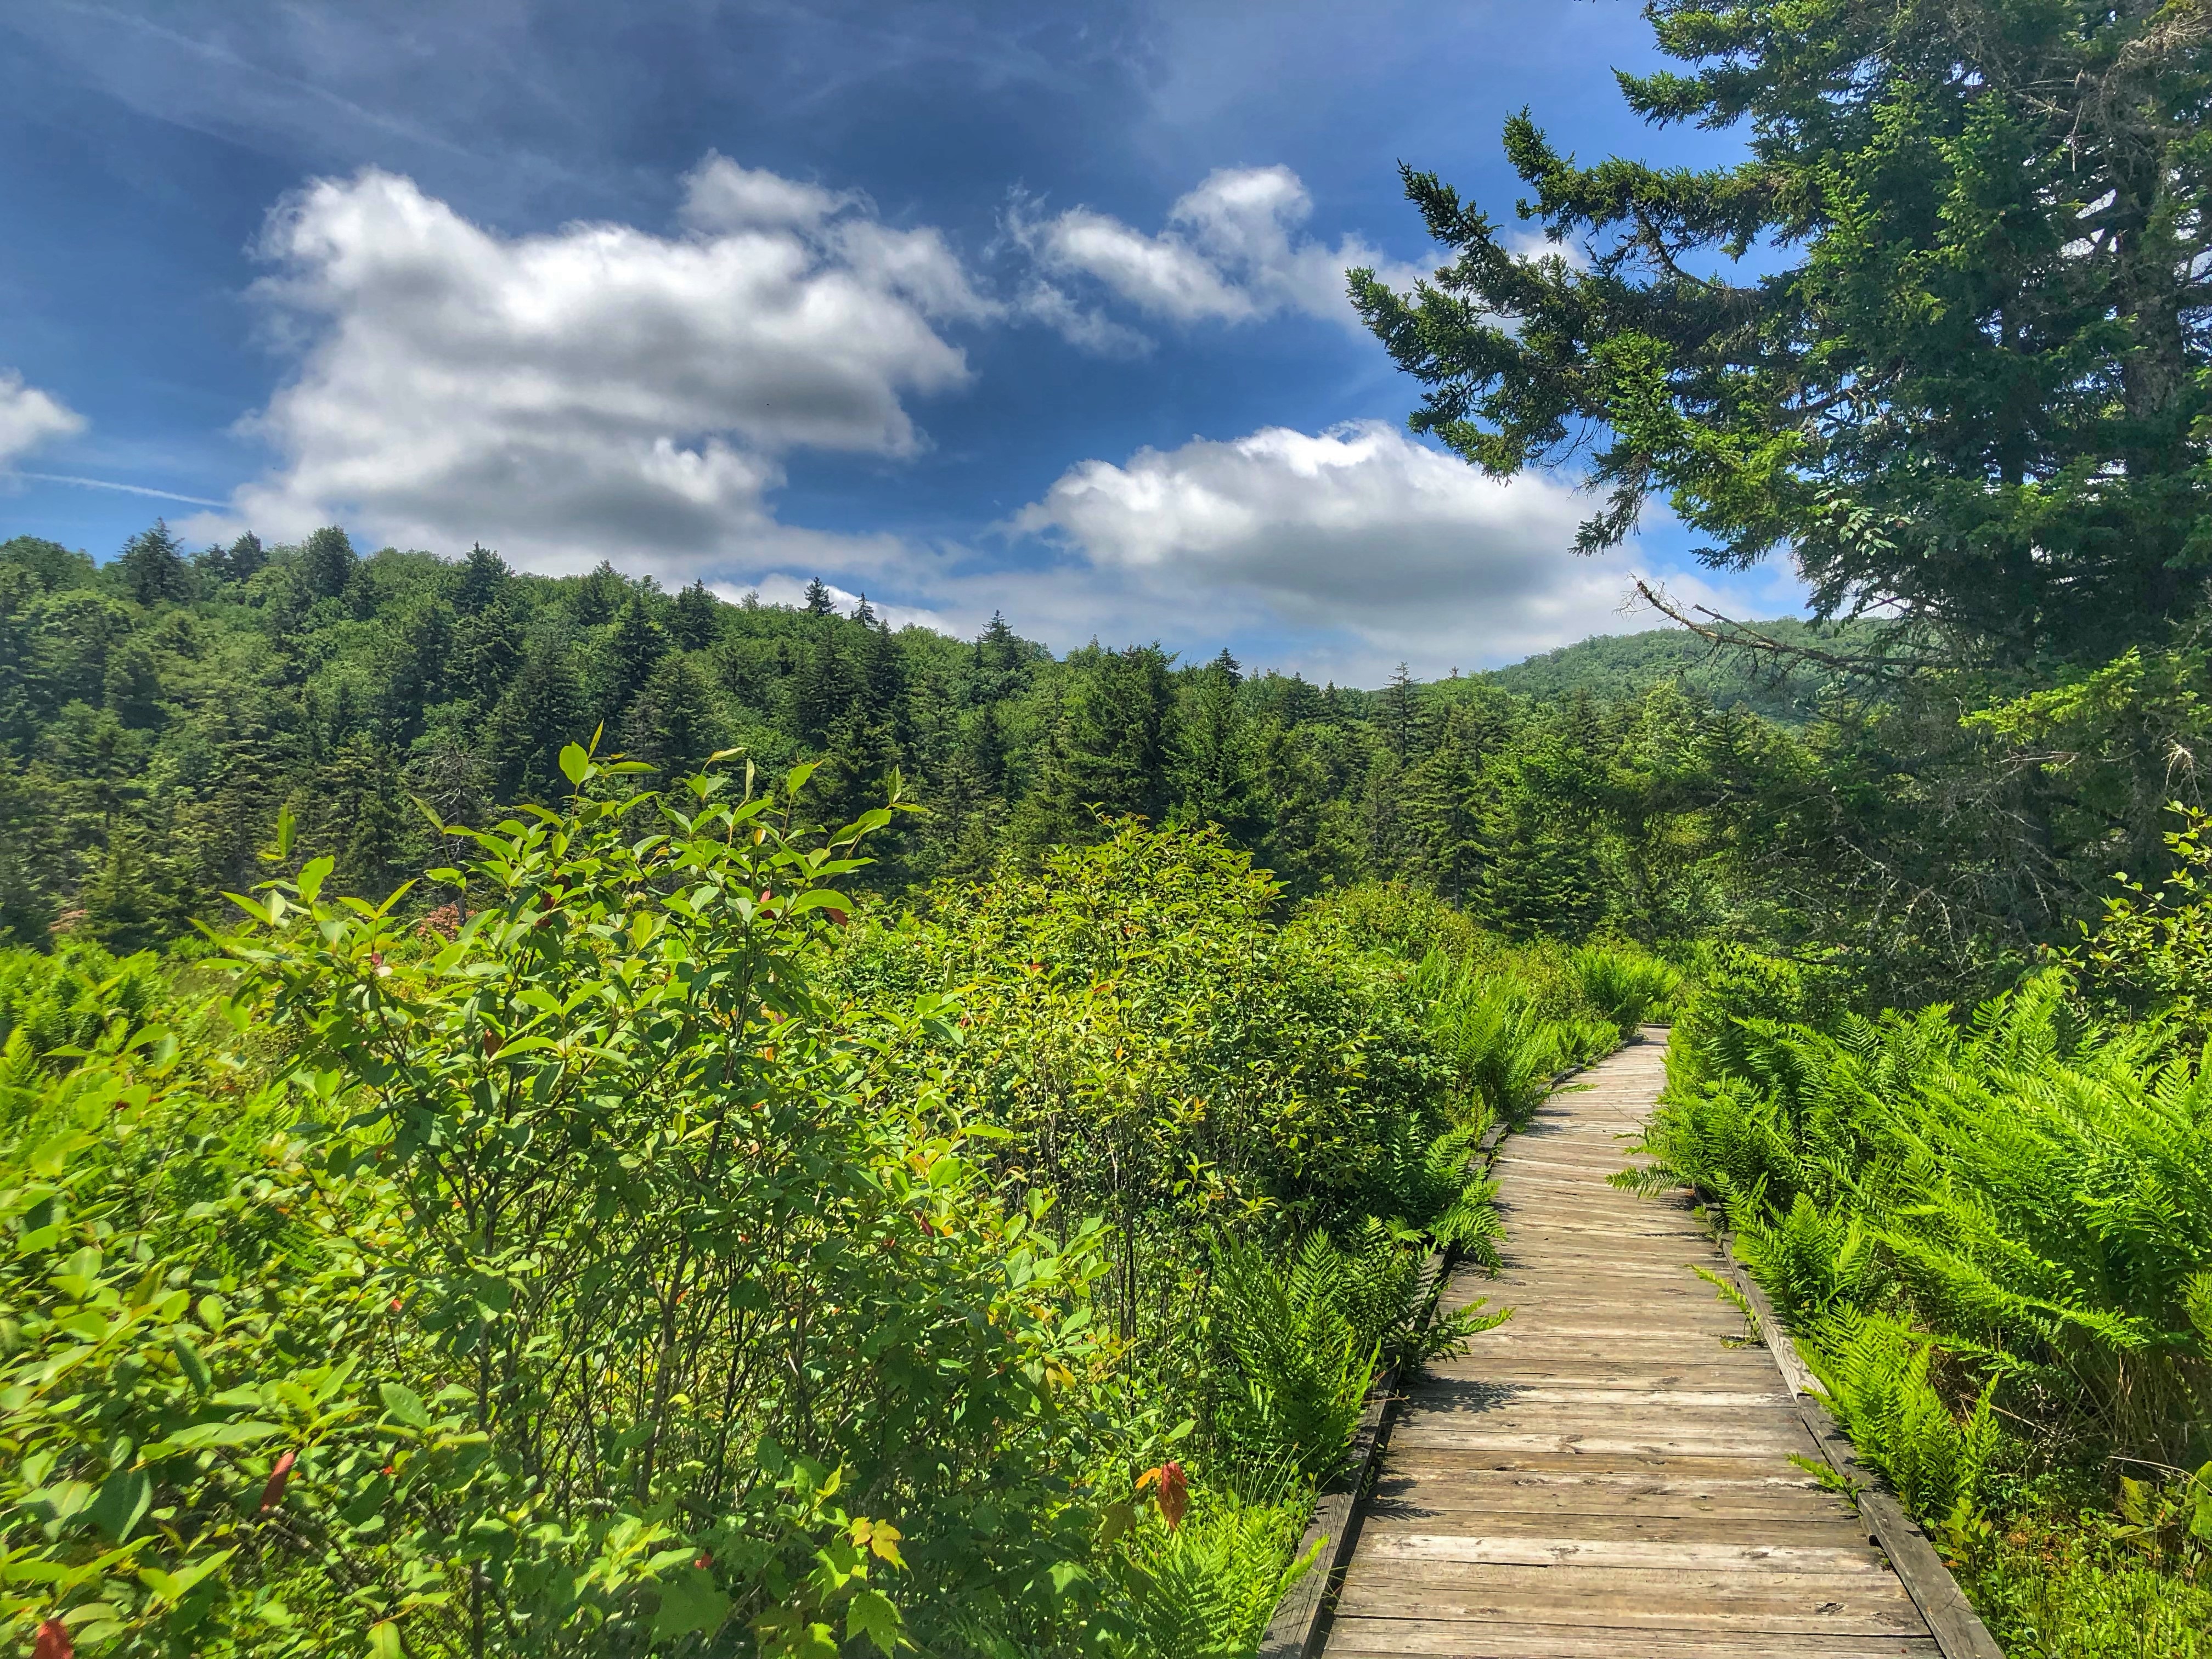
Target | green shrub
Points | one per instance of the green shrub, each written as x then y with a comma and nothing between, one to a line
1626,984
576,1290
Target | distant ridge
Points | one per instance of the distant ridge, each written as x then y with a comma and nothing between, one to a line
1622,664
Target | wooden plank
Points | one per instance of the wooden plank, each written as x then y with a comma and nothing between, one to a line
1415,1638
1385,1541
1866,1604
1766,1525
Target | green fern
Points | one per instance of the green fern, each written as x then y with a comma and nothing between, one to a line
1627,986
1875,1372
1207,1588
1303,1367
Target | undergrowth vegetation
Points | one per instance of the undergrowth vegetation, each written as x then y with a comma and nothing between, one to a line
1991,1233
650,1248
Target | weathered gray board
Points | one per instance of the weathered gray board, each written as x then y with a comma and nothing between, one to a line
1609,1473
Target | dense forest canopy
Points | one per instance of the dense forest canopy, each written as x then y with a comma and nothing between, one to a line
157,713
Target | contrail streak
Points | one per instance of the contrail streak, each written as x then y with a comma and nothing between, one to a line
128,490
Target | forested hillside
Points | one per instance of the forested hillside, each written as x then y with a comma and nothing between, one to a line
162,710
159,710
1779,686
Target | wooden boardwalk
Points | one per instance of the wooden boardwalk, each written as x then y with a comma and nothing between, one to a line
1609,1473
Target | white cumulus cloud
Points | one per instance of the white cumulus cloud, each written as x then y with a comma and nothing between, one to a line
1233,251
29,417
600,389
1359,539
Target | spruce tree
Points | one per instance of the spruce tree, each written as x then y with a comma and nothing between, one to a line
598,595
674,725
819,601
245,558
1943,334
1112,746
1213,762
696,618
632,650
482,582
152,568
542,710
327,563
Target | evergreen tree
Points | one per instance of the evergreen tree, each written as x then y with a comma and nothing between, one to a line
696,618
133,688
673,724
245,559
1403,715
152,568
327,563
1443,799
1942,333
542,711
1000,663
598,595
417,657
487,649
1111,748
357,814
633,650
482,582
1214,762
823,691
819,602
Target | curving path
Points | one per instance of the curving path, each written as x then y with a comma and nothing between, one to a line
1609,1472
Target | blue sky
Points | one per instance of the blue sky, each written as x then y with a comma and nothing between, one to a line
967,306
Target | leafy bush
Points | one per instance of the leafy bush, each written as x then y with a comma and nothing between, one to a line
639,1254
1626,984
564,1293
2147,959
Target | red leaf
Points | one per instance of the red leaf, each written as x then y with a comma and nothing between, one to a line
273,1493
53,1642
1174,1494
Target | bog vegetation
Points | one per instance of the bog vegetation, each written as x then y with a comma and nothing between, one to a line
909,1141
643,1252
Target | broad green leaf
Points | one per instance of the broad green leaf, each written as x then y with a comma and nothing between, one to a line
189,1361
871,1614
689,1604
123,1499
405,1405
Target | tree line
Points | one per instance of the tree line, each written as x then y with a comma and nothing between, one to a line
159,711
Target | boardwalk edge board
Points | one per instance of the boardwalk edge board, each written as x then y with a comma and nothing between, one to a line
1295,1631
1957,1629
